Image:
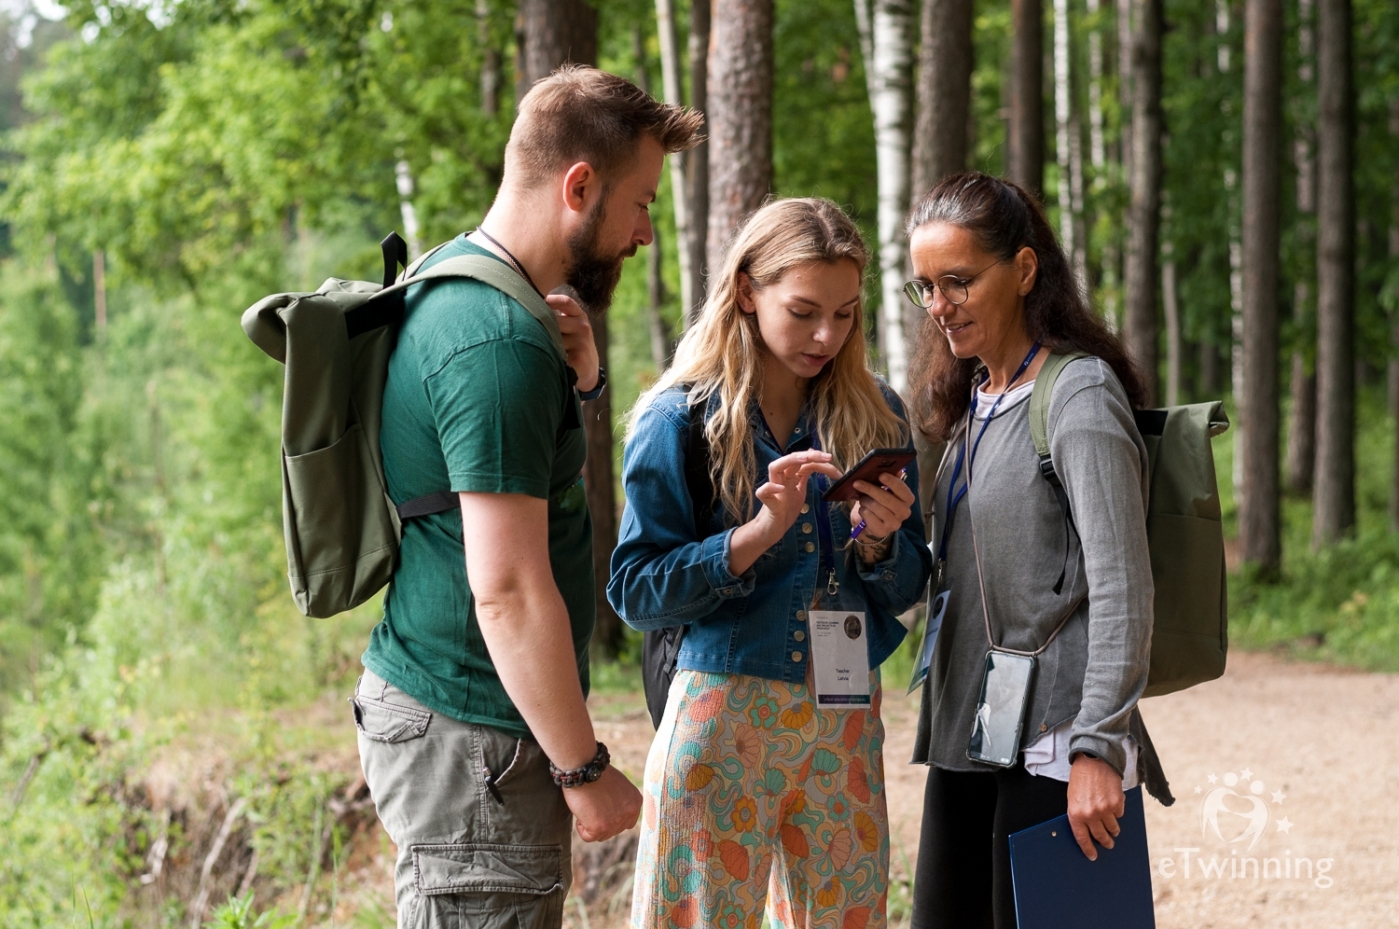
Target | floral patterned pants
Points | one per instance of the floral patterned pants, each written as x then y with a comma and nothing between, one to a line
748,788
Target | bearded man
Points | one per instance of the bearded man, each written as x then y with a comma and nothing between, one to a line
473,732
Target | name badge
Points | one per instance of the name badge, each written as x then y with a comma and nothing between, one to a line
840,658
937,608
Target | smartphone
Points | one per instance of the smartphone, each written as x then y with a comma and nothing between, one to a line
880,461
1000,712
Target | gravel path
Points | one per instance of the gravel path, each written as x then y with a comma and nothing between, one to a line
1319,741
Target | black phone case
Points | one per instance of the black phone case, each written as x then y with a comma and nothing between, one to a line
996,732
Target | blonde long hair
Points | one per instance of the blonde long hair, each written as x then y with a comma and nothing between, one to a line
721,356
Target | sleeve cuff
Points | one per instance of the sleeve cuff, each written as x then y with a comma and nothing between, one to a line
714,558
1100,748
882,571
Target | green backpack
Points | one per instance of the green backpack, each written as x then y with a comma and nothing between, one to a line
342,530
1184,532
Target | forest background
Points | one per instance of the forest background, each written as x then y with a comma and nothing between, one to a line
166,164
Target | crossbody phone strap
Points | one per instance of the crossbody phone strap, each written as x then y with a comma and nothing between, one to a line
980,578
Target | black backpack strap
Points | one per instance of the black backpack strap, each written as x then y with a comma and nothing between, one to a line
697,478
660,648
441,502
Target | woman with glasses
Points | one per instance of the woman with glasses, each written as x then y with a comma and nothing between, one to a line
761,793
1029,704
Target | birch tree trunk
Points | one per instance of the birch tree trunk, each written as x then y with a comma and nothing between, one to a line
1301,429
697,160
740,117
1175,338
555,32
1025,140
1260,529
670,80
888,69
1068,147
1142,278
1334,496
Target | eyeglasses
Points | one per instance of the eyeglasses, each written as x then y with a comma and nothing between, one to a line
954,288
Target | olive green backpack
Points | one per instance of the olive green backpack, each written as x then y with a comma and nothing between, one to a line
342,529
1184,532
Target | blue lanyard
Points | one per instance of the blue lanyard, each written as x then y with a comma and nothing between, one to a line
823,526
955,493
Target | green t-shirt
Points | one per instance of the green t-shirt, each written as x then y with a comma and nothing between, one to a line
477,399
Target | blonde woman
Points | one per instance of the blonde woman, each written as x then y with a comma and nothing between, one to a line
751,783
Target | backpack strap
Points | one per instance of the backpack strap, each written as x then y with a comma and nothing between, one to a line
1040,394
697,461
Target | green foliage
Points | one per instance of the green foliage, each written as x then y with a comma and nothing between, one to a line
238,913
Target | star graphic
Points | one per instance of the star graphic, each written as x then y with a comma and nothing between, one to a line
1246,774
1199,790
1212,779
1284,824
1279,796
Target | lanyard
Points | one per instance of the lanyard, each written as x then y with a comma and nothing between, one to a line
954,493
823,526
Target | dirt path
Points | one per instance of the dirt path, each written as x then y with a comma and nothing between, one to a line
1320,740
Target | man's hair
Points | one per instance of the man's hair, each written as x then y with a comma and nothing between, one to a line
579,114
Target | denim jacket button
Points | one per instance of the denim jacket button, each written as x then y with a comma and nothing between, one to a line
799,635
810,547
806,528
806,507
796,656
801,616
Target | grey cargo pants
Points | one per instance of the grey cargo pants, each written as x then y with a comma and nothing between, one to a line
483,834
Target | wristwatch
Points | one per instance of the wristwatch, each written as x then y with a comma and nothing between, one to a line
584,775
597,389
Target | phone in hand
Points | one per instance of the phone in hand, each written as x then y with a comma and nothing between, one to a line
867,469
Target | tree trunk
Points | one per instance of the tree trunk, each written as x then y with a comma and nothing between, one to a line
670,80
1393,315
1142,269
697,160
740,117
1068,147
1260,528
490,60
1175,337
1301,429
555,32
403,180
1097,138
888,69
1334,514
655,280
943,114
1025,140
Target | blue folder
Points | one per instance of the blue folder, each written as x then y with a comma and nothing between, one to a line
1056,887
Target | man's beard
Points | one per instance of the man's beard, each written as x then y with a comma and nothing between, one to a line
592,274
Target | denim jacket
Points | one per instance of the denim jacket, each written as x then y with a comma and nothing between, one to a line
755,623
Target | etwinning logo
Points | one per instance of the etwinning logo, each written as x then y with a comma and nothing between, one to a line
1238,814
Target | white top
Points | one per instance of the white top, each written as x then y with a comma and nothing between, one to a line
1048,756
1017,393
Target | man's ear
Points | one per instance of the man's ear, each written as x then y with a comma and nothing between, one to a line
1027,265
744,293
581,186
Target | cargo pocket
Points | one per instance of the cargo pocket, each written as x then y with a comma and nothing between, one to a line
487,886
388,722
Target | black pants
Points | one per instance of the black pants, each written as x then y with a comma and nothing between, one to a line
963,875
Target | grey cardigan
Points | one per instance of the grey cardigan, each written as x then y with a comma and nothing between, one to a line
1094,671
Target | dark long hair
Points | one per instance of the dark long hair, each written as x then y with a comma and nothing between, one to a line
1003,219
